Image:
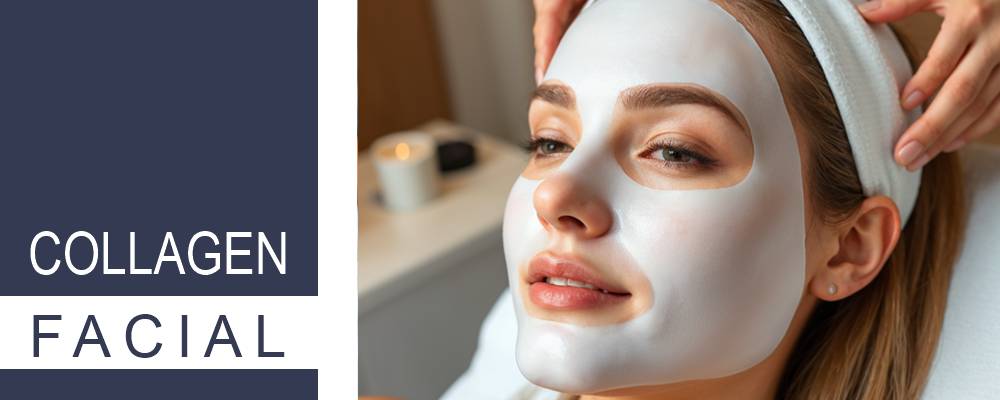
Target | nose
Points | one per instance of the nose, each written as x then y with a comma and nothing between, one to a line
565,205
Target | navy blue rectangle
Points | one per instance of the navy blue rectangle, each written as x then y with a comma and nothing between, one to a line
157,116
162,384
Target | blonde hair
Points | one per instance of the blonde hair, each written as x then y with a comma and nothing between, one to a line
879,342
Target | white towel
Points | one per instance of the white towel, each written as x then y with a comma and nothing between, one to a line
866,67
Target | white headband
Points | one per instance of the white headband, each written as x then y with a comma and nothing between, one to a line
866,68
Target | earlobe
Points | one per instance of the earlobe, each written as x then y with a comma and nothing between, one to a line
864,243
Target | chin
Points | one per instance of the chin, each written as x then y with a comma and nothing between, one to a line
570,379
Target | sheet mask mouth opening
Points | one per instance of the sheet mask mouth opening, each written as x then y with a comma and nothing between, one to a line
567,282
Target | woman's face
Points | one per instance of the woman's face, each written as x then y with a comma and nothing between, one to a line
658,233
664,136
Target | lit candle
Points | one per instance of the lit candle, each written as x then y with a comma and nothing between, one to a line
406,163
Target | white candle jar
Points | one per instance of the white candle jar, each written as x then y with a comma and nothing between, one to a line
406,163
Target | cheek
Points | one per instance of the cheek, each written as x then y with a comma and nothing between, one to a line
718,241
523,234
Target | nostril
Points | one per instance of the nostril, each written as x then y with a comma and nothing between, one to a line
569,222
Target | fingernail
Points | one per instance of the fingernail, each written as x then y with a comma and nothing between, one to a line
920,162
870,6
957,144
538,76
910,152
913,100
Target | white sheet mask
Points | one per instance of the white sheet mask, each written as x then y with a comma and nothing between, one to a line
726,266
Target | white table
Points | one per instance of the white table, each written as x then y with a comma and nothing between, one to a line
427,278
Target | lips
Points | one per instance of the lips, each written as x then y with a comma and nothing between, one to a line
557,283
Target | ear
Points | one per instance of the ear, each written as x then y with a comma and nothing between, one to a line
864,242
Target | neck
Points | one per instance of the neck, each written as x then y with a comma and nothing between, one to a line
758,382
755,383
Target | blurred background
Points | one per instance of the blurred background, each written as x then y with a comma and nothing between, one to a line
460,71
470,61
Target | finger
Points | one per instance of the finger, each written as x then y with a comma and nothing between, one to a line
546,33
890,10
979,59
956,95
944,54
551,20
957,136
545,44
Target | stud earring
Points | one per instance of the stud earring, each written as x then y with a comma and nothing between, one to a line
832,289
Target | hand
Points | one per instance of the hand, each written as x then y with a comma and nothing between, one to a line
962,63
552,17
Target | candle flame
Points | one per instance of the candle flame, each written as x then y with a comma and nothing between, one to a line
402,151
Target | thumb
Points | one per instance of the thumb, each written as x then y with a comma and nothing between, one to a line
876,11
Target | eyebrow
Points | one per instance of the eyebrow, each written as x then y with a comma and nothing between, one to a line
559,95
658,95
649,96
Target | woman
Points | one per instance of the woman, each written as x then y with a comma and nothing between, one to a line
693,224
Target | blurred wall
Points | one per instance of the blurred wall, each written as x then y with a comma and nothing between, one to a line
488,60
401,82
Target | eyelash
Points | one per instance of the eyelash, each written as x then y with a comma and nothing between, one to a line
534,146
682,149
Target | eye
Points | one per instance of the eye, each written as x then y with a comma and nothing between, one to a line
547,147
677,155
